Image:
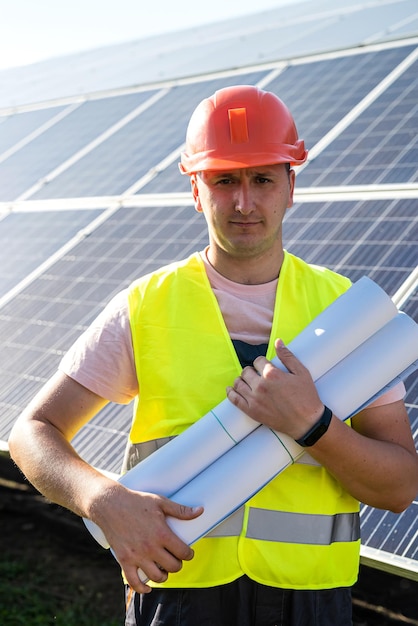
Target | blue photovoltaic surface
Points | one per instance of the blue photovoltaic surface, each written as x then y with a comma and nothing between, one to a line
29,239
62,140
378,239
379,147
42,321
17,127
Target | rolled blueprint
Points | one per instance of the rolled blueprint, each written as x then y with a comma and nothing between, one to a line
236,476
356,315
353,382
341,327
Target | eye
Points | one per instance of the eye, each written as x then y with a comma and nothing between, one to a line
262,180
225,180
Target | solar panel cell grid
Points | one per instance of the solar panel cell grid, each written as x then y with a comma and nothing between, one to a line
319,94
15,128
391,533
29,239
374,238
379,147
410,307
107,429
43,321
61,141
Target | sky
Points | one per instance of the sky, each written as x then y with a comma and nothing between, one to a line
35,30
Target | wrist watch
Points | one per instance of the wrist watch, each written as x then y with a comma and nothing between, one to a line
317,430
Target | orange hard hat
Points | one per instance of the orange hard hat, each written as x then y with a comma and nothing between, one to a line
241,126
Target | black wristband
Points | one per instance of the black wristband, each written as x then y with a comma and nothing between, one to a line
317,430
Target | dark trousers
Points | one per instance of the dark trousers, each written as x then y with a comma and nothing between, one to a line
240,603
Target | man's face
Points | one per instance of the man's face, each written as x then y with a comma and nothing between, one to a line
244,208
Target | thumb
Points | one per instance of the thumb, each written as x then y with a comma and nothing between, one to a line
286,356
181,511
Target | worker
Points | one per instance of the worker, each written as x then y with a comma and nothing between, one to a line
179,339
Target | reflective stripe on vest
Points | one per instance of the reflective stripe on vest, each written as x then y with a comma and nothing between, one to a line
321,530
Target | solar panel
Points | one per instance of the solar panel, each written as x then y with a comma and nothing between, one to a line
392,539
42,321
261,37
17,127
82,123
321,93
373,238
379,147
411,305
29,239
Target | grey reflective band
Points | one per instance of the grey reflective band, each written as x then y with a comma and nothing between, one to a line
230,527
302,528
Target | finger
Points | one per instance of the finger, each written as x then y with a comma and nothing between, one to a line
176,548
137,579
259,364
142,576
289,360
157,572
236,399
181,511
243,383
245,377
166,563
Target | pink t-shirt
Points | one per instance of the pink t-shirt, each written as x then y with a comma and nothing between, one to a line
102,357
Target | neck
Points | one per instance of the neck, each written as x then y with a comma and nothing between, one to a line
246,271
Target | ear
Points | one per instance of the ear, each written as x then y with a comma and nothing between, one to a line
195,192
292,180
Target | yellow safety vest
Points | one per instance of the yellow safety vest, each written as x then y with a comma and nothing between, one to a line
301,531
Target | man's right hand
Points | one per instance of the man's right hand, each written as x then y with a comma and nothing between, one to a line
136,528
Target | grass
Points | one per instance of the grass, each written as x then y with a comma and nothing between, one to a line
27,597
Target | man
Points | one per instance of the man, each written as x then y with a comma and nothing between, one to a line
175,340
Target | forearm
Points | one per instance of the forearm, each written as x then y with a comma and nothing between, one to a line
380,473
51,464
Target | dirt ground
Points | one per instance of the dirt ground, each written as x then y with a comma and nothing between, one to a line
31,528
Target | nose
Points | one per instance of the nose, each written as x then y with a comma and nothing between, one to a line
243,198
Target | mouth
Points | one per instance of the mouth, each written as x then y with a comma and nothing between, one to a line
245,224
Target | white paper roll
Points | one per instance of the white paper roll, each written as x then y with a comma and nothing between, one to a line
370,367
345,324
